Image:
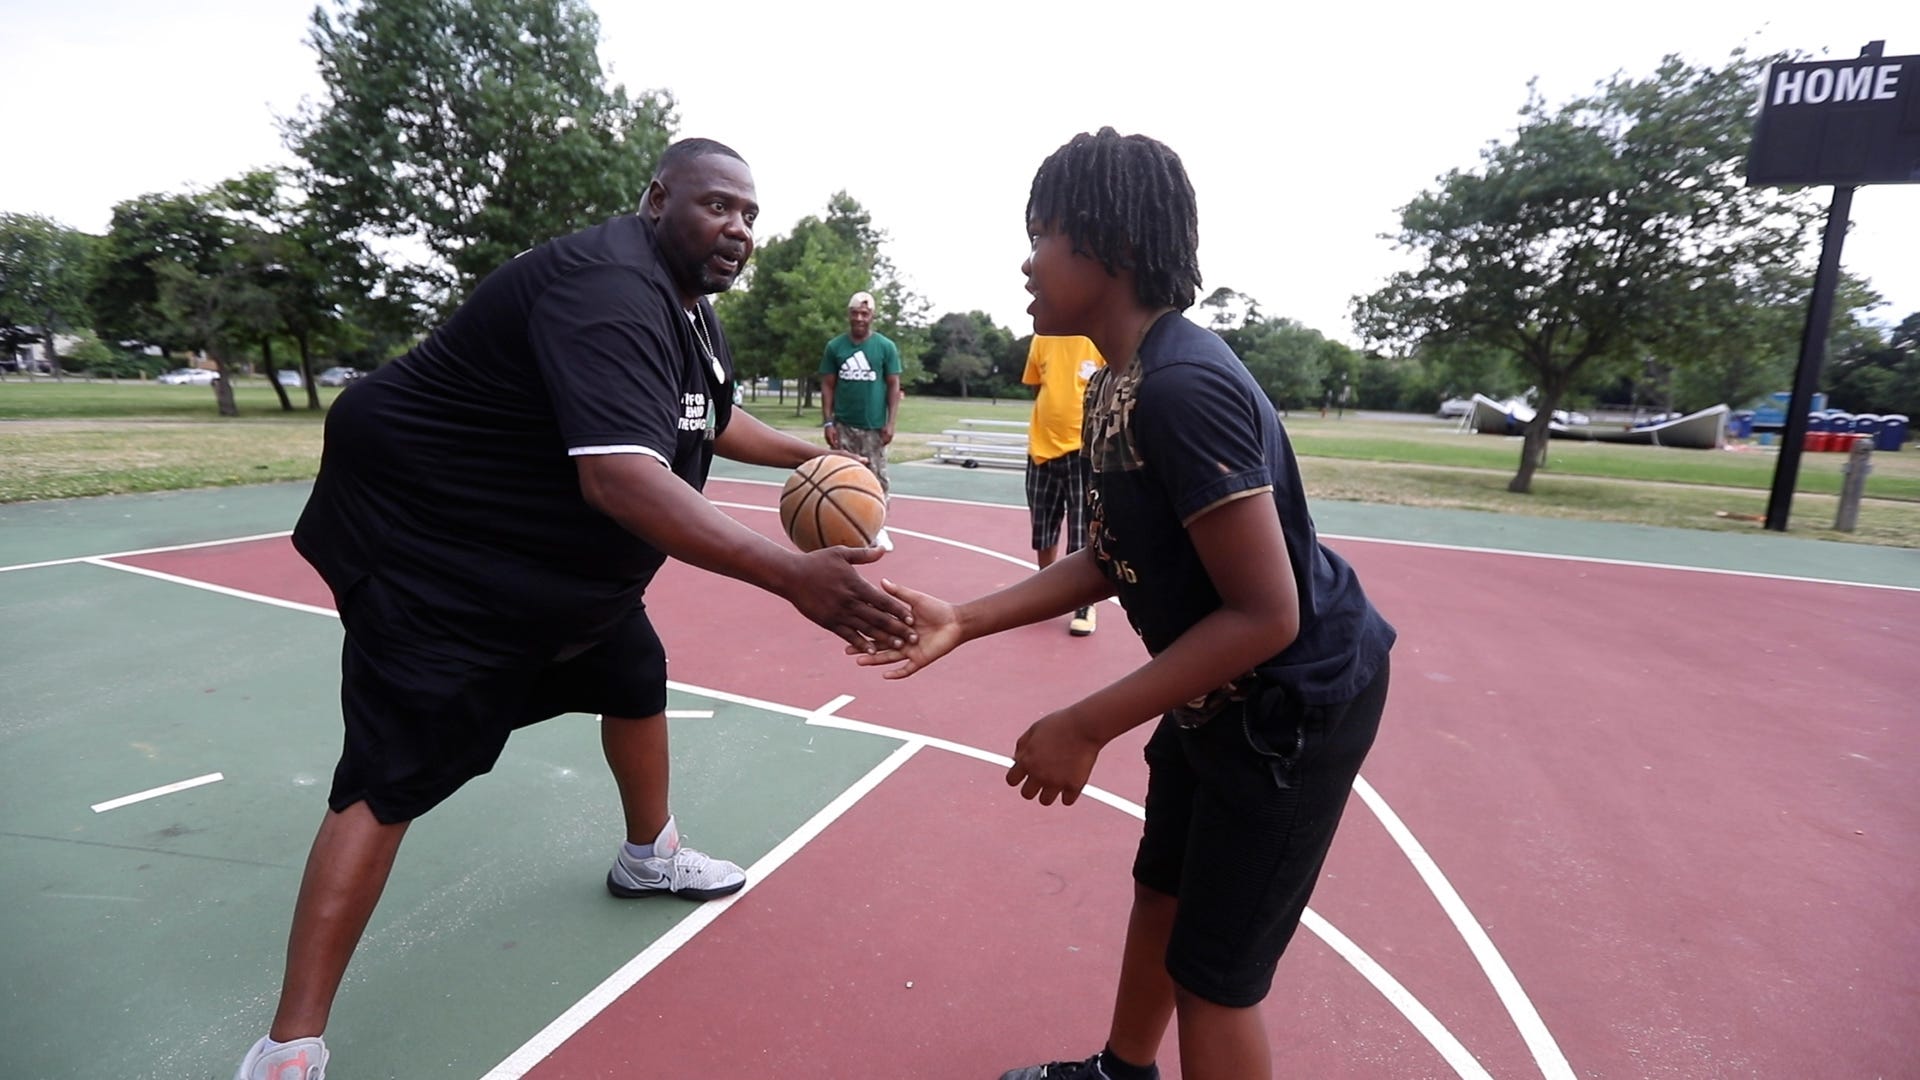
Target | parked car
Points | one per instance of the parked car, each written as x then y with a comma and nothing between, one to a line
188,376
288,377
1454,408
338,376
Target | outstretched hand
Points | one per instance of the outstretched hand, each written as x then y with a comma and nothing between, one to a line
938,633
833,594
1053,760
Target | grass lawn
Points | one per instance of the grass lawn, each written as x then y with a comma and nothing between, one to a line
75,438
78,399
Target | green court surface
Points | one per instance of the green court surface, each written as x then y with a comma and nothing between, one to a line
163,920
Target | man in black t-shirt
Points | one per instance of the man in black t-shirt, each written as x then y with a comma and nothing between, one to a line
488,513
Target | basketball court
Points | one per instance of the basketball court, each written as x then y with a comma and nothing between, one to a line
1642,806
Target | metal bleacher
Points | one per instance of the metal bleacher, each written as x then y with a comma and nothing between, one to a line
983,442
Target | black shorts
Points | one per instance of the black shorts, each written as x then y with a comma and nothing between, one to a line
1240,813
1056,489
423,717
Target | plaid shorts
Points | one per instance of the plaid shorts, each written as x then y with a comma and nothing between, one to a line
1056,489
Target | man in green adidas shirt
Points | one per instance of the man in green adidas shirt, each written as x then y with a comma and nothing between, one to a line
860,388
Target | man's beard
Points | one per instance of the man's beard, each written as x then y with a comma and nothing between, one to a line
712,281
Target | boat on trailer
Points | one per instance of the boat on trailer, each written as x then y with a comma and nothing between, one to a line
1703,430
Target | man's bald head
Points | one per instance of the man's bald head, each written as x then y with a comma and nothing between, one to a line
683,153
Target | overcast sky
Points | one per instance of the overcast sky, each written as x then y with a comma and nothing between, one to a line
1303,133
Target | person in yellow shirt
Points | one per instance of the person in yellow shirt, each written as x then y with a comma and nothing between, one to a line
1058,474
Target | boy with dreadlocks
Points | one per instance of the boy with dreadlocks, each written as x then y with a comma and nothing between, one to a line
1267,661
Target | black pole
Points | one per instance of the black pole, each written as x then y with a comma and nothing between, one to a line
1813,349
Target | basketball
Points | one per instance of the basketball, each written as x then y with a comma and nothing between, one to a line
833,501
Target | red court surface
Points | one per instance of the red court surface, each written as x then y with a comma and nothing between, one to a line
1666,822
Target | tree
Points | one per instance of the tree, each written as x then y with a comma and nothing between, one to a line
1603,225
1702,357
180,230
795,301
46,270
795,294
227,269
964,349
1461,368
960,350
1291,362
1229,310
218,313
94,357
1879,375
472,129
1294,364
311,275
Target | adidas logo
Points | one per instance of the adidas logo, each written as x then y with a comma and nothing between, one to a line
856,369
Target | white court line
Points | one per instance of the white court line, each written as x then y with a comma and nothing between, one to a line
596,1001
1553,1063
1421,1018
1343,537
1634,564
154,793
689,714
208,586
1429,545
147,551
1429,1026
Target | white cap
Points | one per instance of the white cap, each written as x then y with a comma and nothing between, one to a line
860,299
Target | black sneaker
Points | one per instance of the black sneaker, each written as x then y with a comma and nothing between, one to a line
1065,1070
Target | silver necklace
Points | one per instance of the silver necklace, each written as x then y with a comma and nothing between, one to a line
713,358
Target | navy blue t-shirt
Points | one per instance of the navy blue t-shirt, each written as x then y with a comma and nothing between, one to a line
449,473
1173,434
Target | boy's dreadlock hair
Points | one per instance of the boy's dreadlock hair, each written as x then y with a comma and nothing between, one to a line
1125,200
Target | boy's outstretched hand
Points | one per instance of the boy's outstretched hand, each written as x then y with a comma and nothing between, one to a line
1053,760
937,633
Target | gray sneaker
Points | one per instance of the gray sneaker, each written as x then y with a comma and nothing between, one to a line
301,1059
674,871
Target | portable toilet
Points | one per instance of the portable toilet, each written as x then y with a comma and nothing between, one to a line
1892,433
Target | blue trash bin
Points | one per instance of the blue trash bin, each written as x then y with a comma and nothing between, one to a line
1816,421
1892,433
1740,424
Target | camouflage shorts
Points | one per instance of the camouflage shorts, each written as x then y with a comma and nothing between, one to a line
869,443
